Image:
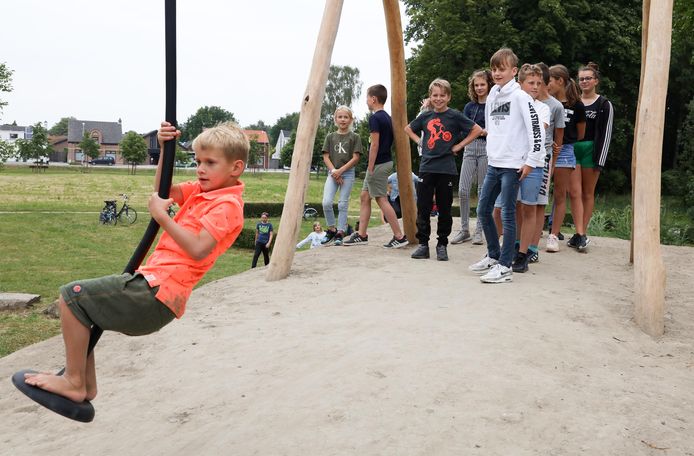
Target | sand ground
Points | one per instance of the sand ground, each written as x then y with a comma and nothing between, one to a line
364,351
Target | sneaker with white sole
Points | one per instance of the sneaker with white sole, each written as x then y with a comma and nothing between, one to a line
583,242
477,238
396,243
552,243
498,274
484,265
356,239
460,237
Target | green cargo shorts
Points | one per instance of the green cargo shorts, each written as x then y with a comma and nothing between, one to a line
376,183
124,303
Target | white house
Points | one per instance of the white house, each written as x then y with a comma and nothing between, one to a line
11,133
282,139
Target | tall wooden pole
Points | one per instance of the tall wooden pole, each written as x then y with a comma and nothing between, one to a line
649,271
398,108
283,253
644,44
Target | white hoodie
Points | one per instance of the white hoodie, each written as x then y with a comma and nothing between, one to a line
514,128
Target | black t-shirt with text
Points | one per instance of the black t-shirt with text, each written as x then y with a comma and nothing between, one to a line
573,115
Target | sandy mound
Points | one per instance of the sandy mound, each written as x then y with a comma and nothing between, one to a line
364,351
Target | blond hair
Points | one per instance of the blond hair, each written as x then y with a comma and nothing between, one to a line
441,84
502,58
345,108
226,136
529,70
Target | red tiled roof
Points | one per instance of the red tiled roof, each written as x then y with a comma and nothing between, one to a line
258,135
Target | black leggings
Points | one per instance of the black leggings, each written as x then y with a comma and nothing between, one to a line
259,247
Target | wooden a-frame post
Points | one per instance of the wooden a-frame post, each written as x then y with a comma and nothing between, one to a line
398,109
649,270
283,253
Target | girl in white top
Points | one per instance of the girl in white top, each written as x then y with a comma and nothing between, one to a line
314,237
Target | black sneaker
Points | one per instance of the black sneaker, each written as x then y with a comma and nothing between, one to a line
355,239
422,252
533,257
560,236
573,242
583,242
520,264
329,237
396,243
441,253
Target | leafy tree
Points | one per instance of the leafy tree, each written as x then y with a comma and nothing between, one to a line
37,146
259,125
60,128
7,150
134,149
288,122
205,117
255,154
89,146
5,82
342,88
459,36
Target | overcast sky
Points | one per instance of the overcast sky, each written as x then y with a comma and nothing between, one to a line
98,60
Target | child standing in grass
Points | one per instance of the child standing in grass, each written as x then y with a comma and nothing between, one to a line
341,152
263,239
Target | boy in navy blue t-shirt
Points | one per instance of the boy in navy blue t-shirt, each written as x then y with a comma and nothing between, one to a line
263,239
441,128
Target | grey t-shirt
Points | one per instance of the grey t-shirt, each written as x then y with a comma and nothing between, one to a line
556,119
340,148
441,131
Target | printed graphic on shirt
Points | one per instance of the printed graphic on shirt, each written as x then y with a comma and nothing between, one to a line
591,114
500,110
263,229
537,129
339,148
437,131
568,115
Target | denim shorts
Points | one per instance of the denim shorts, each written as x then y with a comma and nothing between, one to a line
529,189
124,303
566,158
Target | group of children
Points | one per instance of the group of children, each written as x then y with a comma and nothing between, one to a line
519,131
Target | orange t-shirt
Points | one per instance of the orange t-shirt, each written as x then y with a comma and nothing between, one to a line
220,212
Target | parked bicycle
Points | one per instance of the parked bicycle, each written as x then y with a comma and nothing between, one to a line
110,215
310,213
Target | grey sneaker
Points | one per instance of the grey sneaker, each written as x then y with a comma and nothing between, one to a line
498,274
441,253
478,239
460,237
422,252
484,265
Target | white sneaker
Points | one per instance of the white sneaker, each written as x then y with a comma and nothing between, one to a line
498,274
484,265
552,243
478,239
460,237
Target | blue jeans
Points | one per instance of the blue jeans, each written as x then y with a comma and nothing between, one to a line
501,182
329,191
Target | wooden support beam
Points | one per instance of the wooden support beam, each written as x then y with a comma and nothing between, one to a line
398,109
649,270
283,252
